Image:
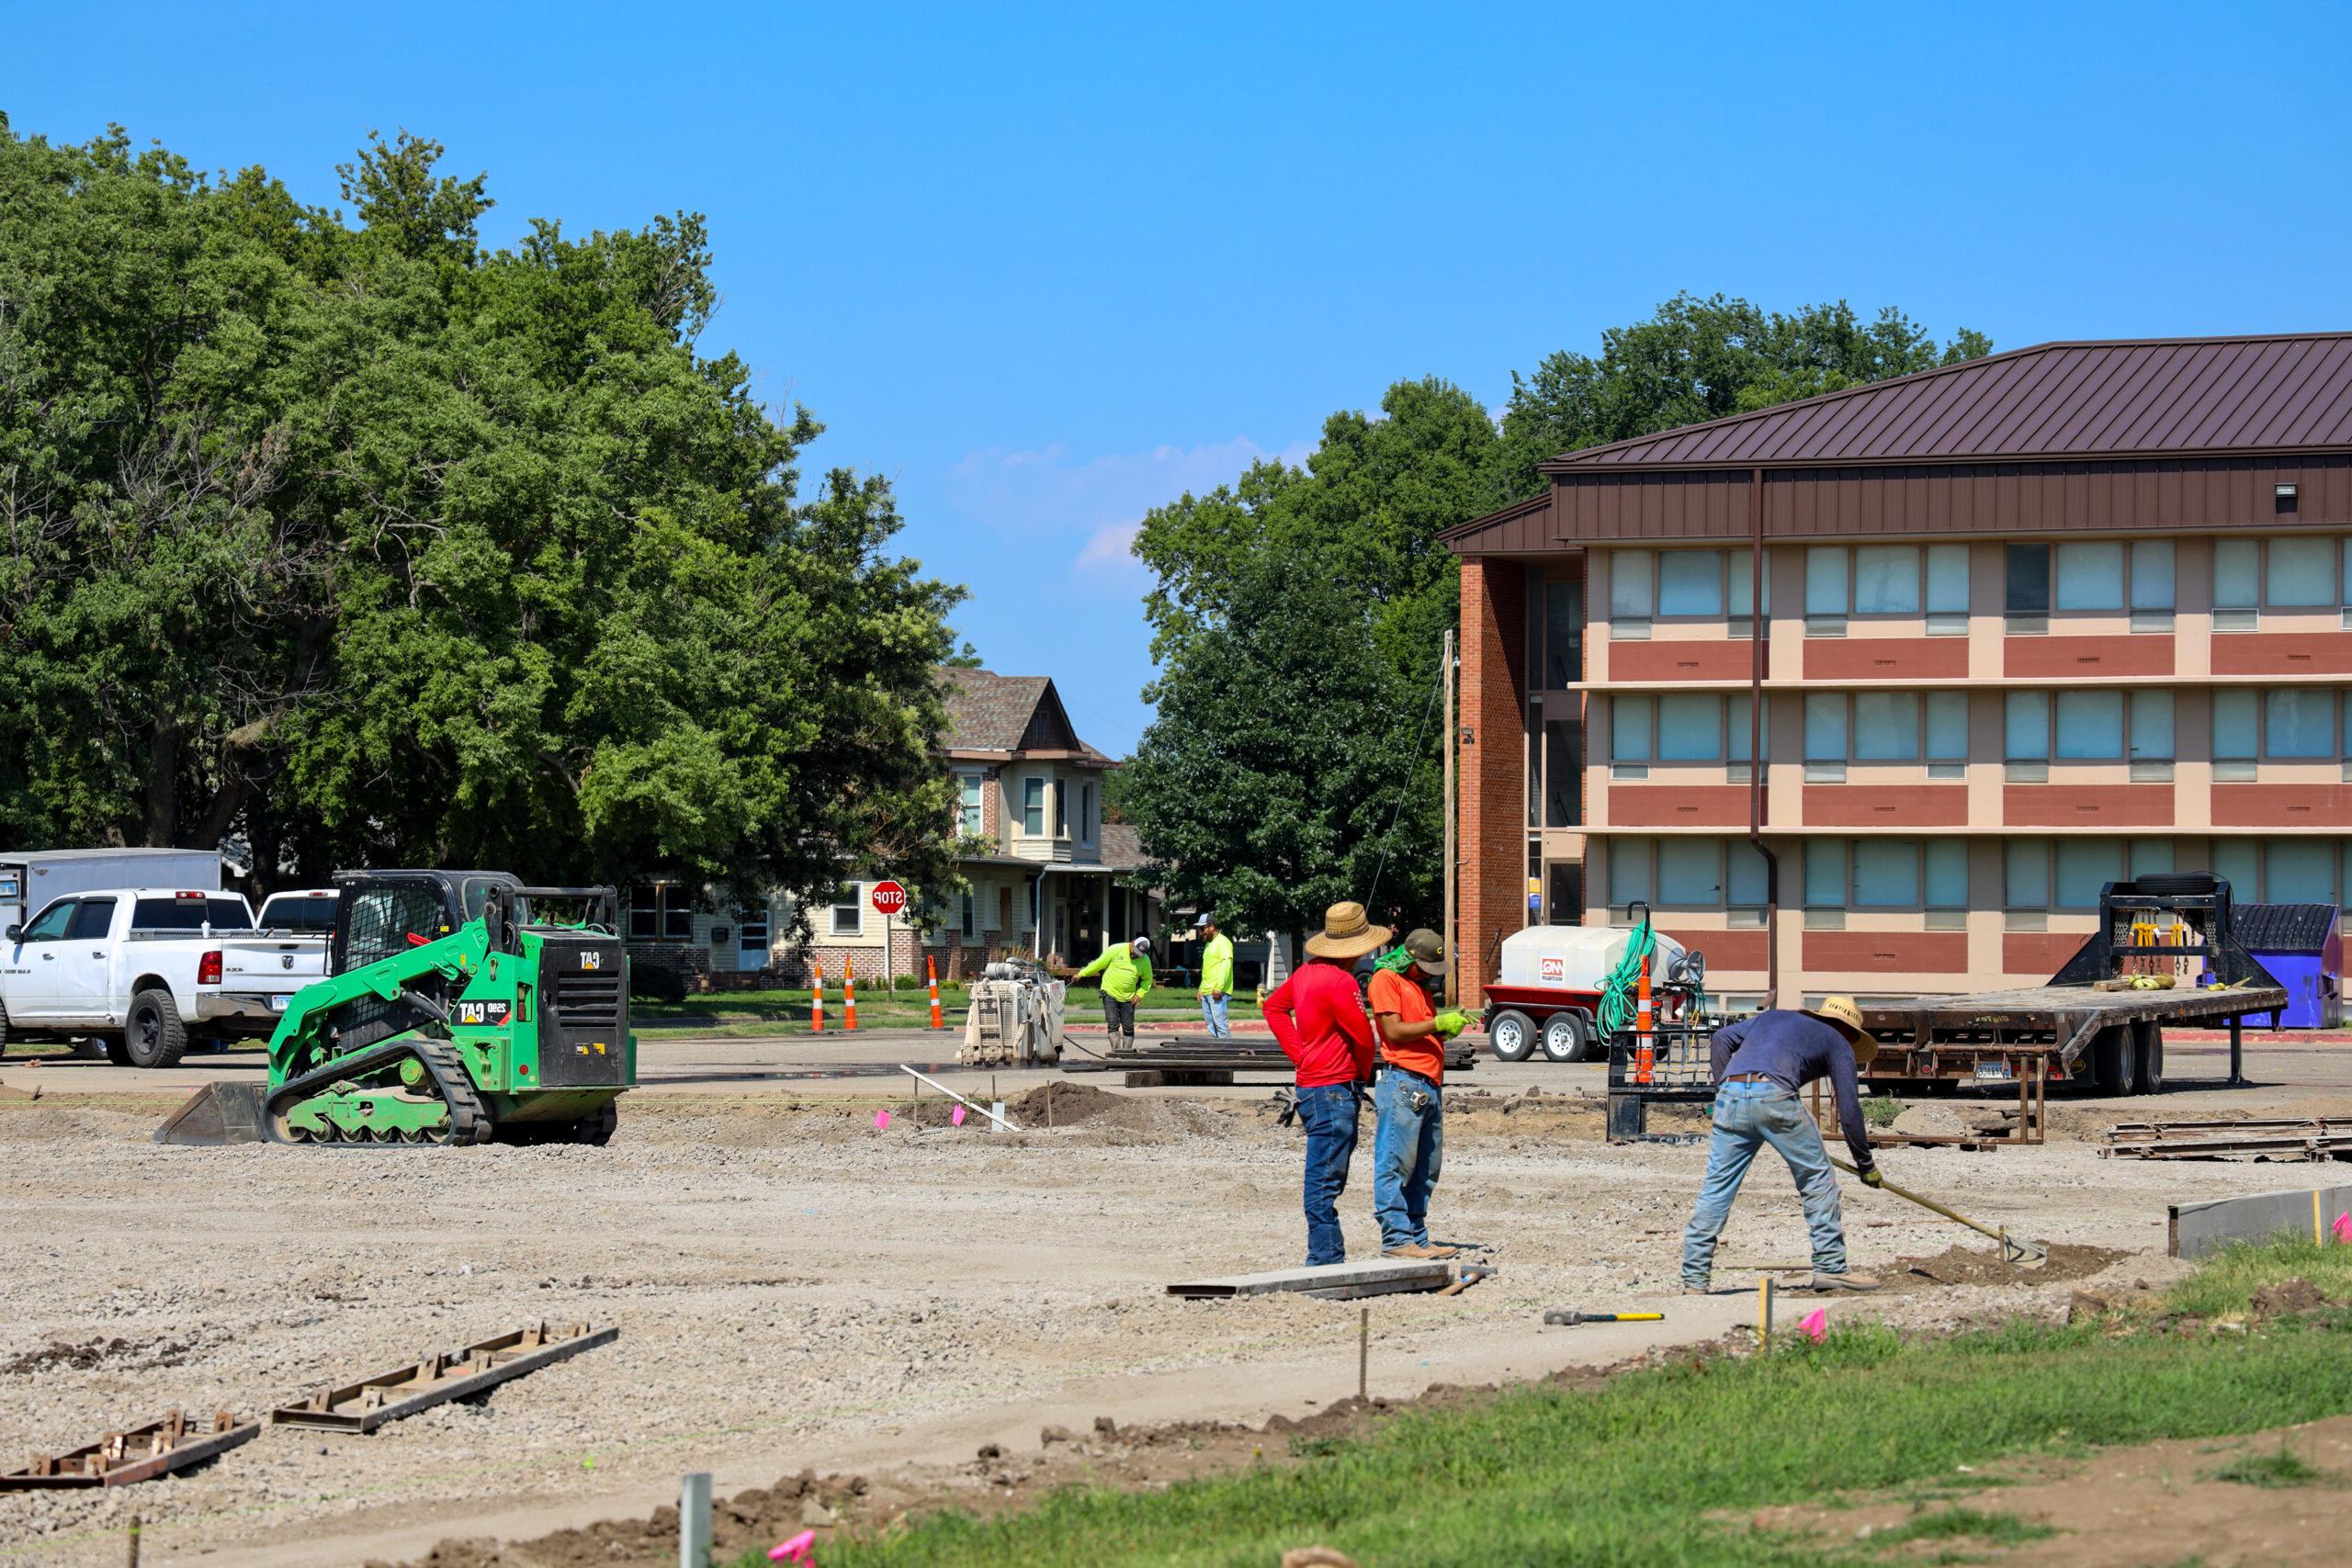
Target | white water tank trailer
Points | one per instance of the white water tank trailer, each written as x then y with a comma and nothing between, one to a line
1547,991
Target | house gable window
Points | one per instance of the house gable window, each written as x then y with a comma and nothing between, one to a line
848,911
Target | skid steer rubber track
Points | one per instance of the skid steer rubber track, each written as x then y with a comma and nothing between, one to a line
469,1122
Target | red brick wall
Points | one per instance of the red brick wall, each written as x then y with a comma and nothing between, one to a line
2040,952
2085,805
1885,806
2044,658
1491,898
1865,952
1742,950
2283,653
2282,805
1886,659
1679,660
1677,805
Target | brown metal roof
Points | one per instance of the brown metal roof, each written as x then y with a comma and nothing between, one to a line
2177,397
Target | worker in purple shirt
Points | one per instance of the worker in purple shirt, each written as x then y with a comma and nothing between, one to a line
1759,1065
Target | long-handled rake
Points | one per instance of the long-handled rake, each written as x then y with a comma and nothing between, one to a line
2022,1254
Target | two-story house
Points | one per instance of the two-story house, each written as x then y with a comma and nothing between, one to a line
1039,863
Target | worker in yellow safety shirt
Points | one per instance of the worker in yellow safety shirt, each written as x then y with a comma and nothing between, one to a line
1126,968
1216,976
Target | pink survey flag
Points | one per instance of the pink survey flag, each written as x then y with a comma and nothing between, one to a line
955,1117
2344,1226
1815,1325
799,1549
881,1121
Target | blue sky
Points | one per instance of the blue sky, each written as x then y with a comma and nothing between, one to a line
1044,269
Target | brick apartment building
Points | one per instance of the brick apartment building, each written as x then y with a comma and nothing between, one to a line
2030,623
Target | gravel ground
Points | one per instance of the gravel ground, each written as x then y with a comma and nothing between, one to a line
795,1288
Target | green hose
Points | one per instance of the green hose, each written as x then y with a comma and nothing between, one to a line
1619,1001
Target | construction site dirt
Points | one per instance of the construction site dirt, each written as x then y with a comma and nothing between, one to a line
799,1290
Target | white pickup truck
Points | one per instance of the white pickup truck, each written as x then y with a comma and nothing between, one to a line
149,971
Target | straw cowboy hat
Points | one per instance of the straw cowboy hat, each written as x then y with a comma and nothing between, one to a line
1347,932
1841,1012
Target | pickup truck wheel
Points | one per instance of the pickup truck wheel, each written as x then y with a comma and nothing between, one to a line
154,1034
1512,1034
1564,1036
117,1049
4,1031
2113,1066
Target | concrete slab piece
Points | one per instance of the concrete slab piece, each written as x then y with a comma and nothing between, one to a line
2200,1230
1382,1276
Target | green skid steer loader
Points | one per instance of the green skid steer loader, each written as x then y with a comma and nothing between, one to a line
456,1010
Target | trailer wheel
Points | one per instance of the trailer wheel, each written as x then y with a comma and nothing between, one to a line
2148,1056
1565,1039
2114,1064
1512,1034
154,1034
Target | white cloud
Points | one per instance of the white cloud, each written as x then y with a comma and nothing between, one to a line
1112,550
1091,506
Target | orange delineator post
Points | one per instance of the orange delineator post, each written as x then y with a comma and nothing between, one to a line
849,995
817,997
931,973
1645,1053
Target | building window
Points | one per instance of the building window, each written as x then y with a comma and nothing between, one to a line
1555,632
2296,573
1885,873
1885,727
1086,817
1629,877
1680,727
660,911
1689,585
1061,808
752,934
2041,874
2087,726
968,815
968,916
1884,579
1563,774
2290,724
1033,807
1692,874
848,911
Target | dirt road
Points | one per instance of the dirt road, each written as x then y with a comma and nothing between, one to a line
795,1288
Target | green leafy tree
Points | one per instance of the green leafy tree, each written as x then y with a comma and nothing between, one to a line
1298,613
375,546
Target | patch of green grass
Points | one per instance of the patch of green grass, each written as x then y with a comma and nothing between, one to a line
2280,1468
1880,1111
1657,1467
1946,1524
757,1014
2225,1283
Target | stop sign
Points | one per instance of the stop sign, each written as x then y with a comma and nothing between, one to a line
889,898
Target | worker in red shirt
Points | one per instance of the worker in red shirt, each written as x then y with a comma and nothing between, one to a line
1318,1018
1408,1147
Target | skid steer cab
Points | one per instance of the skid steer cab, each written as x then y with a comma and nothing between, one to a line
459,1007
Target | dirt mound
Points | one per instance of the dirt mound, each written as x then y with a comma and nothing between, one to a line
758,1517
1068,1105
1983,1266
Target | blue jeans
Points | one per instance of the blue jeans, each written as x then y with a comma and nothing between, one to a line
1213,1010
1408,1150
1328,1113
1747,1117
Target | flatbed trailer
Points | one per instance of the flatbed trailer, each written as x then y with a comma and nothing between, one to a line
2174,928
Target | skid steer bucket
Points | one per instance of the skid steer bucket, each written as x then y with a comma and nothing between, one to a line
219,1113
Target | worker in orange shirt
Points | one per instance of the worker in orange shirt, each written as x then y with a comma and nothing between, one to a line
1409,1146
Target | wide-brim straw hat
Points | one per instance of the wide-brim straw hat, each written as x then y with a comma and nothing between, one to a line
1844,1012
1348,932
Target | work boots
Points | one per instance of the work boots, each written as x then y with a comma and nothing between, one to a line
1842,1282
1417,1249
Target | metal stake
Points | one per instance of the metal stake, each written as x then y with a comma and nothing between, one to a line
134,1542
1764,1312
1364,1353
693,1520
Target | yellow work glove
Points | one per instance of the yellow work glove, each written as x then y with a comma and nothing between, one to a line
1871,1178
1451,1023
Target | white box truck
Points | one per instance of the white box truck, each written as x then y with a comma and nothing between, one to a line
32,879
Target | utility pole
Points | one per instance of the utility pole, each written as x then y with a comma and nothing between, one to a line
1452,738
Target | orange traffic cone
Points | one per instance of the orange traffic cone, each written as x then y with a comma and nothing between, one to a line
1645,1053
849,995
817,997
931,972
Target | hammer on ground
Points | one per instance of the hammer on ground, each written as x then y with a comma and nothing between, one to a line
1565,1318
